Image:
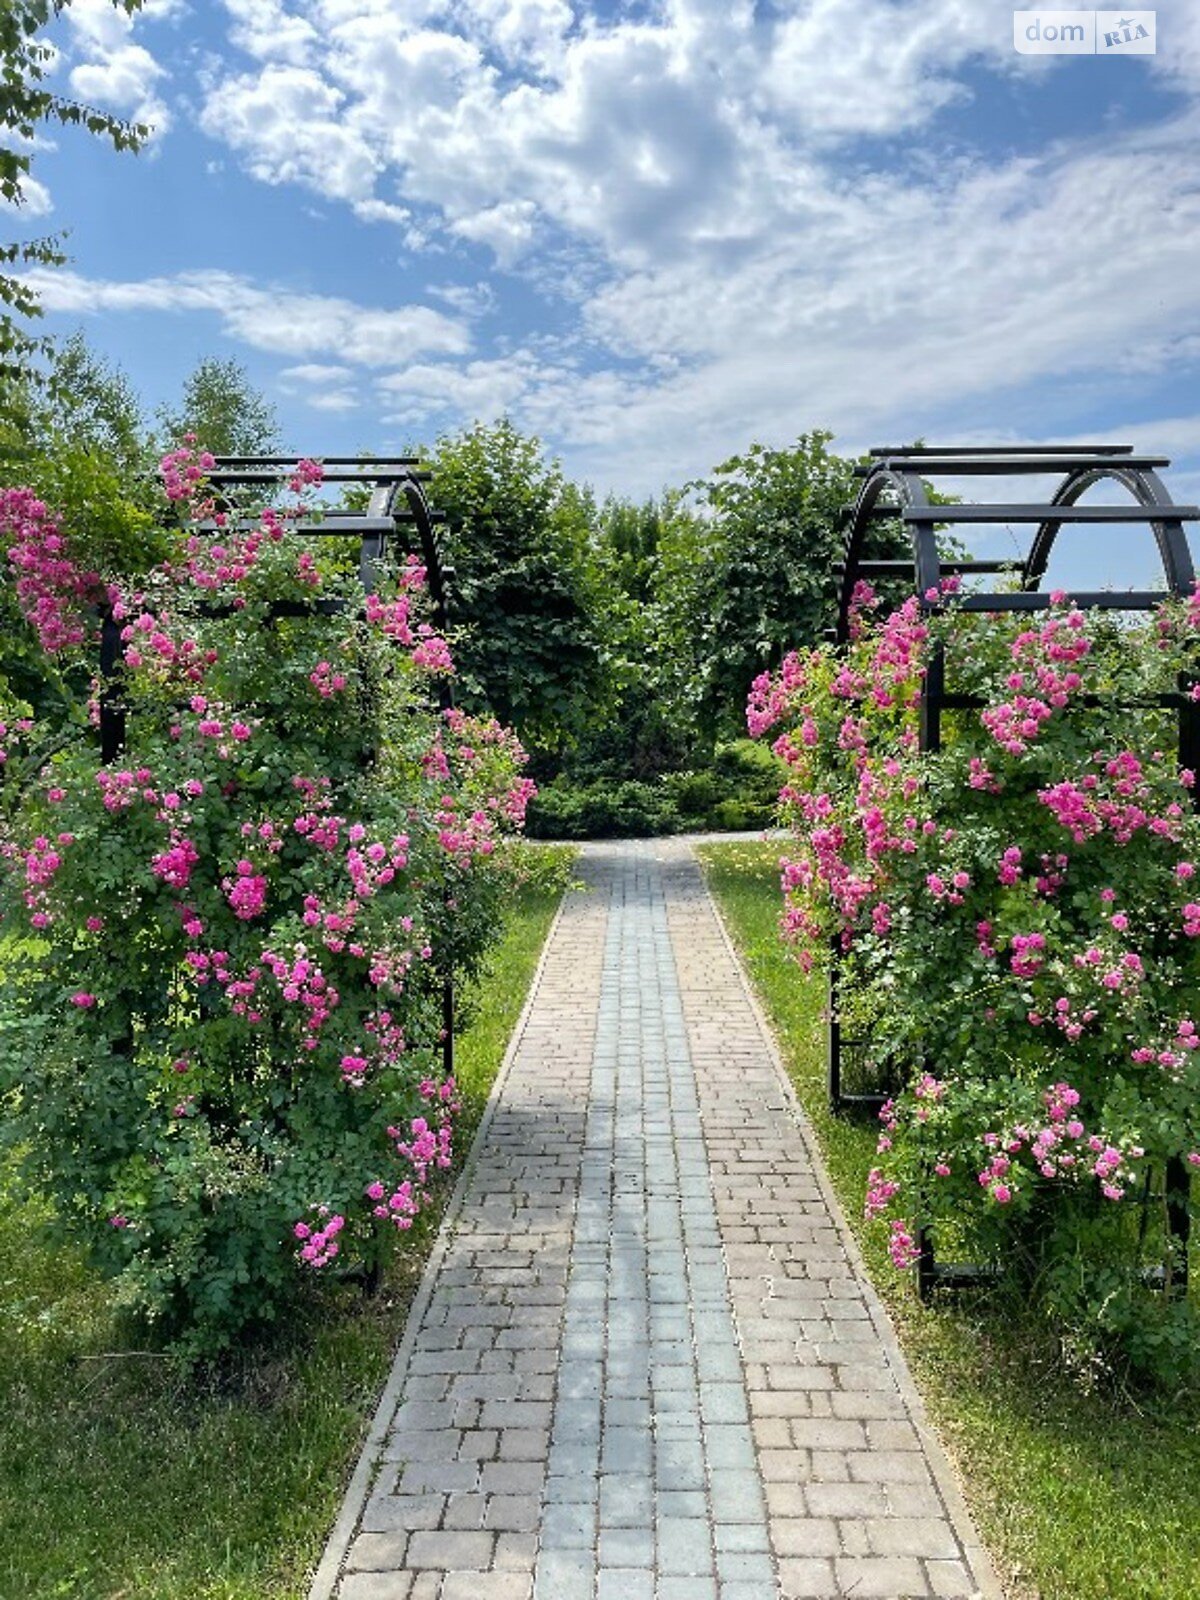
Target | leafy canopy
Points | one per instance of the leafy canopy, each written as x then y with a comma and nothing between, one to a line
227,414
525,592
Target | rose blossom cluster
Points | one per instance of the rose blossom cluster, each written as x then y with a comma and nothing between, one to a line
1017,905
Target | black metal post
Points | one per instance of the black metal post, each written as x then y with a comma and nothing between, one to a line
112,705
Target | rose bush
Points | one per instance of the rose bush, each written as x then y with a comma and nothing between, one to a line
228,946
1018,916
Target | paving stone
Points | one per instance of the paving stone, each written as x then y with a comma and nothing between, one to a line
384,1513
931,1537
846,1499
951,1579
451,1551
729,1536
377,1552
567,1526
881,1577
748,1566
516,1552
806,1536
565,1575
487,1586
376,1586
464,1511
512,1513
625,1583
626,1547
439,1477
684,1545
512,1477
808,1580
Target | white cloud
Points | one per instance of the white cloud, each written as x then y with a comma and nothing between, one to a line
267,30
288,124
100,24
110,70
333,400
507,229
469,299
276,320
700,189
122,81
876,67
316,372
381,211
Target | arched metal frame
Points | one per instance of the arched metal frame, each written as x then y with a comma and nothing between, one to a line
396,500
895,488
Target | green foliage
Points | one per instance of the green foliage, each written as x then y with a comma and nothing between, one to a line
91,405
603,810
761,579
26,103
225,412
82,451
526,605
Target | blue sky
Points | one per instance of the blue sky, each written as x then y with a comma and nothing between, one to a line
650,233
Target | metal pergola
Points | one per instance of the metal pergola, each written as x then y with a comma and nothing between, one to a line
896,488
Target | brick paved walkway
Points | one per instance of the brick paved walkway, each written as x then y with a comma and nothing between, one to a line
643,1364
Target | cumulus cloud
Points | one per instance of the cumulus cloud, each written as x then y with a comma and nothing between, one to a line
316,372
287,122
110,70
265,29
470,299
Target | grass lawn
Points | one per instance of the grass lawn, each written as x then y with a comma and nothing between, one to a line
120,1481
1079,1497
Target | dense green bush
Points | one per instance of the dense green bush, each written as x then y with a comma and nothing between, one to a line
739,791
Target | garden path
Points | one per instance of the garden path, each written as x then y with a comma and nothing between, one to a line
644,1362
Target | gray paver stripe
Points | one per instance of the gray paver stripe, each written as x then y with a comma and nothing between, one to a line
652,1464
644,1363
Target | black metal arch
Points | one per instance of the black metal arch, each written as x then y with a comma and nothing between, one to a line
895,488
903,474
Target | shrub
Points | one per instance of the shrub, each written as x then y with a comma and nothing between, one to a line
225,1069
602,810
1018,918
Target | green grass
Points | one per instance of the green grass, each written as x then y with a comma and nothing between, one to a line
1080,1496
122,1480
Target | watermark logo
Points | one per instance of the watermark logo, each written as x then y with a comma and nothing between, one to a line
1084,33
1125,33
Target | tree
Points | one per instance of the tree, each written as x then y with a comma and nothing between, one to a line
25,104
650,727
764,580
525,596
224,410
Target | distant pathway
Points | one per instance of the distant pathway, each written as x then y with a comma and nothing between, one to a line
643,1364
